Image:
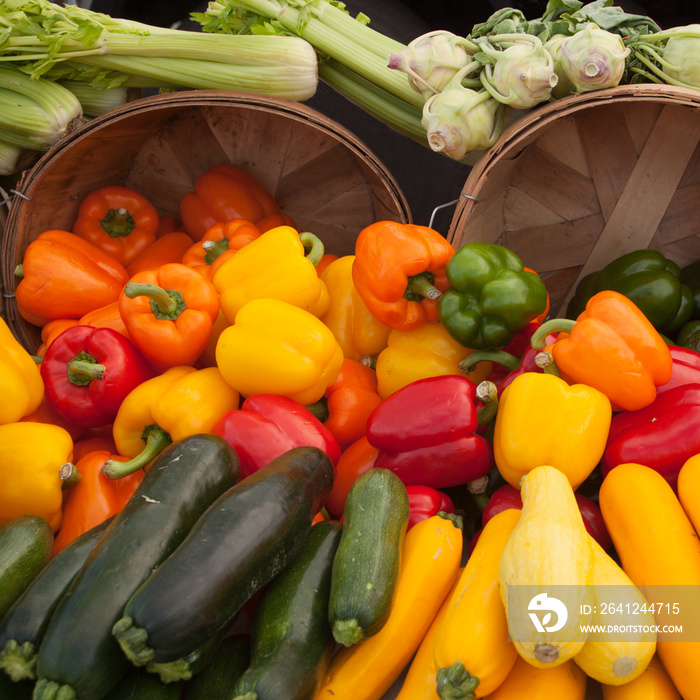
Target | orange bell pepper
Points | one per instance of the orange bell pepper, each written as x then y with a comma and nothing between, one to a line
357,459
169,314
170,247
65,276
612,347
94,498
349,401
399,271
52,330
357,331
85,445
118,220
106,316
221,193
219,243
167,224
275,220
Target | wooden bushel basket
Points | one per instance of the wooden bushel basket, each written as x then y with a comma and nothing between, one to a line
321,175
578,182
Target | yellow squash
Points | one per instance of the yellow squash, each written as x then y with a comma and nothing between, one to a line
653,684
546,566
421,677
616,657
431,557
472,651
526,682
658,547
689,490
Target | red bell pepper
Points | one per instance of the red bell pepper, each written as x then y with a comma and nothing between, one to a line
662,436
267,425
685,369
508,496
424,502
425,431
88,372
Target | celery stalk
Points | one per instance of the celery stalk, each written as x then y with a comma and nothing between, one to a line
34,114
404,118
96,100
307,19
9,157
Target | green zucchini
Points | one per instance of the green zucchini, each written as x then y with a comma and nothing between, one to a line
25,547
246,538
218,678
78,655
366,565
291,641
24,625
137,684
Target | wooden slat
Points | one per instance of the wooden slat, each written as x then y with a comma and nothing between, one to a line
552,182
609,150
649,189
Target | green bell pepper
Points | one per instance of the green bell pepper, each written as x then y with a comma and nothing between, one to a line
689,336
490,298
647,278
690,275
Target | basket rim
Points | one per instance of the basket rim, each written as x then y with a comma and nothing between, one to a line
538,118
220,98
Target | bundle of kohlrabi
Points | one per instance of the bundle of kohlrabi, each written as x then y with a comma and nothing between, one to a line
456,93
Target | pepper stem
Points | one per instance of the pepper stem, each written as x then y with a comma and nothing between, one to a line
18,661
455,519
546,363
456,682
19,271
156,440
369,361
167,304
499,357
82,372
118,222
421,286
214,249
69,475
487,393
314,245
554,325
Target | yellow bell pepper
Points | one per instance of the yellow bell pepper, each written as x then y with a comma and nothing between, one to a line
427,351
180,402
359,333
543,420
273,266
21,385
31,459
274,347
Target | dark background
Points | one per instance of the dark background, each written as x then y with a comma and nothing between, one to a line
427,179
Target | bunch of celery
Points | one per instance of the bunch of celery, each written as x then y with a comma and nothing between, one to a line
72,43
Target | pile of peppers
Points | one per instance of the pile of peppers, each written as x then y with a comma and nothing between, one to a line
439,364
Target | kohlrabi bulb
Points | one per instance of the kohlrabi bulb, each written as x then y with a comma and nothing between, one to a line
681,55
522,74
431,60
459,120
591,59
